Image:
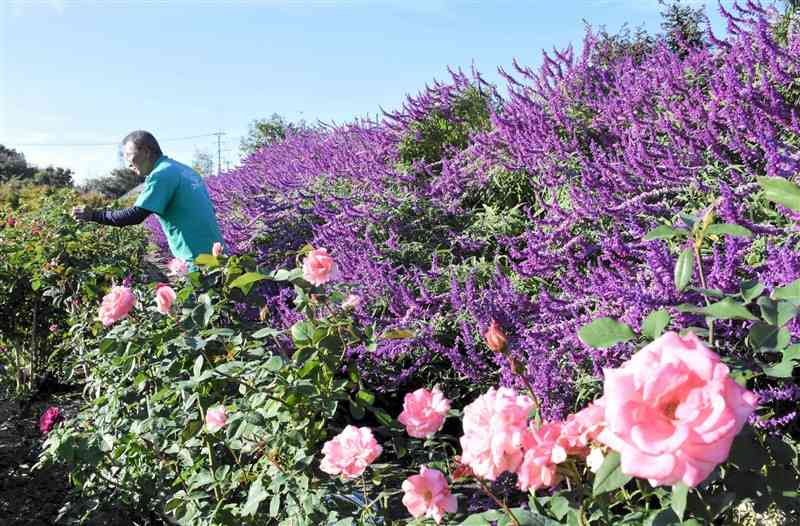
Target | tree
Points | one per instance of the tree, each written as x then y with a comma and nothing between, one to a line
13,165
682,25
263,132
203,163
116,184
53,176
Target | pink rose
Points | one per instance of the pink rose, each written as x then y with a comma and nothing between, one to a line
672,411
319,267
164,297
495,431
178,267
580,429
351,302
49,419
424,412
350,452
538,468
217,249
428,494
495,338
216,418
116,305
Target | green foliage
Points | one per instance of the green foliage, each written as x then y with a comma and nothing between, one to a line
262,132
116,184
433,138
51,265
14,167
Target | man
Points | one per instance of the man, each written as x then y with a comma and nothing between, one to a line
172,191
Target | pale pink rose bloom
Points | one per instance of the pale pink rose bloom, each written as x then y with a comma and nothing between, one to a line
216,418
350,452
428,495
178,267
424,412
319,267
217,249
539,465
351,301
116,305
581,428
495,432
164,298
672,411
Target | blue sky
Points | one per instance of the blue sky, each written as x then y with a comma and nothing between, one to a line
80,72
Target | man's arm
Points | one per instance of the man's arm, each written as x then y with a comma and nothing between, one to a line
123,217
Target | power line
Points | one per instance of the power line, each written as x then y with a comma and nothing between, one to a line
112,143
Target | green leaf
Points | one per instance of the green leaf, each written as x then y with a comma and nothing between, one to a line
790,357
781,191
787,292
678,503
684,269
763,336
398,334
605,332
202,314
365,397
655,323
198,365
247,279
275,505
729,229
266,332
777,313
751,289
207,260
559,506
483,519
274,364
663,232
302,332
728,309
255,496
610,476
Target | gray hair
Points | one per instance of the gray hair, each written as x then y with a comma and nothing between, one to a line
144,140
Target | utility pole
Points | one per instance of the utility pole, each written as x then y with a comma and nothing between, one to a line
219,135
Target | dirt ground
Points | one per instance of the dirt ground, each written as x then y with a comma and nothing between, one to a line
42,497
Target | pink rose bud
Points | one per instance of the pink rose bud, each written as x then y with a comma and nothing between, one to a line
350,452
424,412
428,495
319,267
495,338
49,419
216,418
116,305
351,302
11,221
53,327
178,267
495,430
216,249
164,298
672,411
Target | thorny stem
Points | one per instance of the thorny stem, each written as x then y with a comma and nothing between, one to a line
705,296
500,503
